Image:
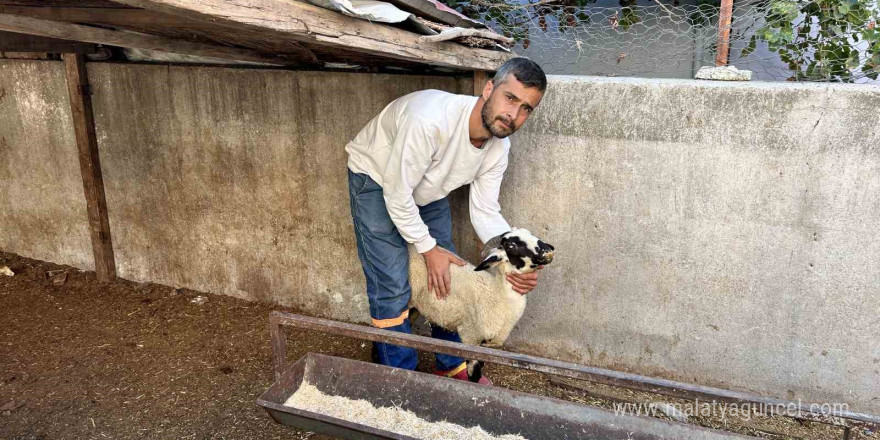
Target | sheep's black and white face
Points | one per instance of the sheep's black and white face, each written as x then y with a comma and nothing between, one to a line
522,250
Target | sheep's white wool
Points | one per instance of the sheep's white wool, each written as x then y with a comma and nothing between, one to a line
310,398
481,307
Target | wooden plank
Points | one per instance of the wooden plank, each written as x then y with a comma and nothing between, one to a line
70,3
123,15
171,26
26,55
315,25
724,21
12,42
436,11
90,164
56,29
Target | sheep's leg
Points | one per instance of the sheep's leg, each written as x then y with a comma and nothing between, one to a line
475,370
414,313
470,337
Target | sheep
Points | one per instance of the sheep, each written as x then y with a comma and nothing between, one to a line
482,306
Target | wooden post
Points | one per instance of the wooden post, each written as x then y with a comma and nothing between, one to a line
724,20
279,345
480,80
89,164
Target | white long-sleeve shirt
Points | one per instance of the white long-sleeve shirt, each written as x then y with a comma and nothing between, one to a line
418,150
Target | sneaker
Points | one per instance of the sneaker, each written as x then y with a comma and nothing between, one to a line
460,373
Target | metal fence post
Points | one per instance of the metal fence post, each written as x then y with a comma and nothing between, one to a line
724,21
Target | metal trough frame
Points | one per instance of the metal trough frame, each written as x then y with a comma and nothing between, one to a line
278,320
497,410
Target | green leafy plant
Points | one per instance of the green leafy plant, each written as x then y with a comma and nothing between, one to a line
823,40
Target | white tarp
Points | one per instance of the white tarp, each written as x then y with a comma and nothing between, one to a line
367,9
373,10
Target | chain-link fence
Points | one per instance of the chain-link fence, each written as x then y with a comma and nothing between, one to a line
817,40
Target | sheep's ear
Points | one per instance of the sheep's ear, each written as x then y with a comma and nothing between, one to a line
492,260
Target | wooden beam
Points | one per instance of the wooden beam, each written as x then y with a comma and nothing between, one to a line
316,25
172,26
12,42
724,21
56,29
123,15
90,164
70,3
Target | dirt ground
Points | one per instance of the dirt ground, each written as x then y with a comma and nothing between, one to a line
86,360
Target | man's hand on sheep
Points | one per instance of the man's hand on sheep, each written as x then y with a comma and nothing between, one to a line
437,261
524,283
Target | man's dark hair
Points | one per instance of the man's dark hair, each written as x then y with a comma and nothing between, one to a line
524,70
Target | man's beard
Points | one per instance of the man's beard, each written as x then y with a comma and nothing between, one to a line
487,122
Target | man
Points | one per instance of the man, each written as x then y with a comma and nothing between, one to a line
404,163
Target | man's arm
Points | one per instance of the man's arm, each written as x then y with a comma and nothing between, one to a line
484,209
410,158
487,220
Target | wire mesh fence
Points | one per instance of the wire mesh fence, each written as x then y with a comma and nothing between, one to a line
816,40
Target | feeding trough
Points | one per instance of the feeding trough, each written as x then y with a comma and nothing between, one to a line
429,396
496,410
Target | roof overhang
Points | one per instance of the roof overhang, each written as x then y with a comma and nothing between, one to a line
282,32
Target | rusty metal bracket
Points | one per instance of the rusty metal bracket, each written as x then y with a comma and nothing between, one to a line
666,387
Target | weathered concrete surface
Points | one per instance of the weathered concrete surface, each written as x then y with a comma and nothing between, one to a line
234,181
42,206
724,234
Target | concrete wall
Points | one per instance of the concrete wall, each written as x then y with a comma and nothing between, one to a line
42,205
230,181
234,181
715,233
724,234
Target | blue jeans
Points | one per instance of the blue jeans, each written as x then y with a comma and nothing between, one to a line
385,260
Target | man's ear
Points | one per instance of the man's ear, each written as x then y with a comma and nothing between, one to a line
487,90
492,260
